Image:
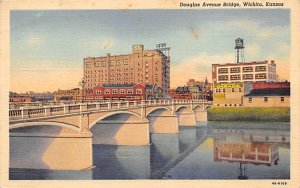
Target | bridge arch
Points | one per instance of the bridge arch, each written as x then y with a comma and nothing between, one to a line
182,107
47,123
119,128
208,106
112,114
158,108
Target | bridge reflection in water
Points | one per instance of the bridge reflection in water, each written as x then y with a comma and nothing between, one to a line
216,151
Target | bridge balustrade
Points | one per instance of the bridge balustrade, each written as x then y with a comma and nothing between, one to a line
56,109
83,107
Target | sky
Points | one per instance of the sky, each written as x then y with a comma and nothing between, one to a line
48,46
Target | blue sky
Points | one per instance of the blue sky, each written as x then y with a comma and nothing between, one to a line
49,46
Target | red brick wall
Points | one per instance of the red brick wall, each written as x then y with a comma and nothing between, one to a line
271,85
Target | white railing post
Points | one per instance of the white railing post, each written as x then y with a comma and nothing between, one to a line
22,112
109,105
98,105
127,104
134,103
119,105
65,109
149,102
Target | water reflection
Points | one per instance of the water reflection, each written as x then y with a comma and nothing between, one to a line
218,150
239,150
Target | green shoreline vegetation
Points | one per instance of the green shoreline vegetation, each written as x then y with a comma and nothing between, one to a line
279,114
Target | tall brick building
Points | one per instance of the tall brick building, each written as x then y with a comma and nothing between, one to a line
139,67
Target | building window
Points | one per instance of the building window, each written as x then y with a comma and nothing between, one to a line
235,69
247,69
139,91
260,68
107,91
250,99
266,99
112,63
97,64
129,91
103,64
88,65
240,89
282,99
224,90
114,91
122,91
125,62
118,63
232,89
98,92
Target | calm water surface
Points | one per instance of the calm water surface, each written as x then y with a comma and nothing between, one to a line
213,150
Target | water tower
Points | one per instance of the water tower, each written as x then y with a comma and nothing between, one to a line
239,46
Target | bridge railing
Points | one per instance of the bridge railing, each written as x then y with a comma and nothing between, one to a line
35,112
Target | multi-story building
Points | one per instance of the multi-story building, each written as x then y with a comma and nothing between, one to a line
117,92
22,97
230,94
68,95
204,87
44,96
261,71
181,93
247,94
139,67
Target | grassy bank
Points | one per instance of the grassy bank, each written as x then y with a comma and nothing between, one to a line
248,114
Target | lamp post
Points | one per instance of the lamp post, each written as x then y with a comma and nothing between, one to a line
82,84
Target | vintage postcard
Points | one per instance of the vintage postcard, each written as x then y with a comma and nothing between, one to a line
128,93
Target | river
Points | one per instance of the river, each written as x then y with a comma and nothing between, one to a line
211,150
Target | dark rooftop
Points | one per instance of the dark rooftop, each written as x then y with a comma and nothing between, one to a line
270,92
118,85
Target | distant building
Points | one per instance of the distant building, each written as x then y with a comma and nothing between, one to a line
140,67
126,92
246,94
193,82
230,94
44,96
268,97
260,71
68,95
23,97
181,93
204,87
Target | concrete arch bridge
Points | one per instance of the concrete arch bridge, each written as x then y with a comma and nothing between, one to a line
70,130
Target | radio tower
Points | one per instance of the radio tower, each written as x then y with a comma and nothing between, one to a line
239,46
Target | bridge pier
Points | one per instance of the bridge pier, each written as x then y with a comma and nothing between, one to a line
163,121
163,124
186,118
201,114
121,133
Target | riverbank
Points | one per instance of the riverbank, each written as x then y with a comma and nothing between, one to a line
279,114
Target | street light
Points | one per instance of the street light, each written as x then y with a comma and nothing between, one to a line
82,84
